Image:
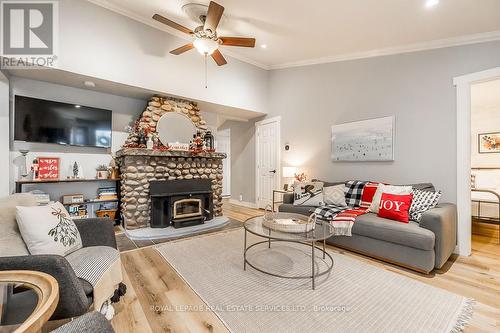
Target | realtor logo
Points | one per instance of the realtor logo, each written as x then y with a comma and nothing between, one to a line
29,33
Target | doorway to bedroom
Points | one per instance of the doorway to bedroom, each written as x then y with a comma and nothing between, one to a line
485,161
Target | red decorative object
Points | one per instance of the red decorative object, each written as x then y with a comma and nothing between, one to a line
395,206
131,145
48,168
368,193
300,177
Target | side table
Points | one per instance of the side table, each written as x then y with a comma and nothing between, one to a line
274,197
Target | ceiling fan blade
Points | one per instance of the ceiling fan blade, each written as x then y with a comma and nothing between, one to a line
214,15
219,58
238,41
182,49
172,24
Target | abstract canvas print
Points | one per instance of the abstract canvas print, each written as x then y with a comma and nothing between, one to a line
366,140
489,143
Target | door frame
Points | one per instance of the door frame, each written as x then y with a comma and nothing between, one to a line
463,87
258,124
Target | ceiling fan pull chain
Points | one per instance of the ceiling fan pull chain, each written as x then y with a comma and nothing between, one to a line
206,72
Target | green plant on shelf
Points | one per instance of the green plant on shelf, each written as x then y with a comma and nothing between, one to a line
101,167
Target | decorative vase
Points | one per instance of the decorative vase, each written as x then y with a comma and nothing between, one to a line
101,174
149,143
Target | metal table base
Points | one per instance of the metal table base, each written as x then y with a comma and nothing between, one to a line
311,244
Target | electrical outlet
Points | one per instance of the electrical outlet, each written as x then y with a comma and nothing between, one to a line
241,197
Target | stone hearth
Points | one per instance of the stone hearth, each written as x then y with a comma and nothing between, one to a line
139,166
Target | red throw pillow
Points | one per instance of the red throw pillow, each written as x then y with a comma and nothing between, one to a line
368,193
395,206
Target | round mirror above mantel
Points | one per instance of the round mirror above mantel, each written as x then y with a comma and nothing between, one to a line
175,127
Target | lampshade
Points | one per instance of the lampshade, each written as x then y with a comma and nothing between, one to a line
289,172
205,45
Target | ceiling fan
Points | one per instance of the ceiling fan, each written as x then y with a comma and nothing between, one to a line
205,36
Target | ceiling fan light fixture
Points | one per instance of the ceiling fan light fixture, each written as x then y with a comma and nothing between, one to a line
205,45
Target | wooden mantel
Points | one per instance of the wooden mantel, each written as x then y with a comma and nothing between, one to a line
166,153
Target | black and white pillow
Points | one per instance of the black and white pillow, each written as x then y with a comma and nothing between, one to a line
422,202
308,194
353,191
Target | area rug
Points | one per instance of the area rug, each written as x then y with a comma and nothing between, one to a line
354,297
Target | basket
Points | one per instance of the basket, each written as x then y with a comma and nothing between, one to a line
290,225
106,213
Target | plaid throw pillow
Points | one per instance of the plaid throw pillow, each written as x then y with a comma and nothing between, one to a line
353,192
422,202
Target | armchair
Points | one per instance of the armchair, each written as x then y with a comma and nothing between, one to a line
87,276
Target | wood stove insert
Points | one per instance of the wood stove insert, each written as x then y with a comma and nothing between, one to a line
180,203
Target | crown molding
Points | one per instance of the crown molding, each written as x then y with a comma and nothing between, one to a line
151,23
416,47
431,45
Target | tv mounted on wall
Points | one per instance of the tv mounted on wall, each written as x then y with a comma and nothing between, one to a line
43,121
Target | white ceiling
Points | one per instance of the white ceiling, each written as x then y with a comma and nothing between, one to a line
305,32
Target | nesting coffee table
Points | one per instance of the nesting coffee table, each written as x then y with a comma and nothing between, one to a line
321,232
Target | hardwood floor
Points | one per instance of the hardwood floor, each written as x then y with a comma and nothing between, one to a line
151,282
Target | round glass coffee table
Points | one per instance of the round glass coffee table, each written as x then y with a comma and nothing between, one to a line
320,233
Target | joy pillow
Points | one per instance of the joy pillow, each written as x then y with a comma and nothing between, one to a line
395,207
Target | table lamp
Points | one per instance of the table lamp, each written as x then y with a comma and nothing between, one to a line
288,174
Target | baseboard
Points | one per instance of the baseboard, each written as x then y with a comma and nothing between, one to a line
243,203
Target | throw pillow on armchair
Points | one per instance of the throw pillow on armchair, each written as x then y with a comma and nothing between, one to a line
48,229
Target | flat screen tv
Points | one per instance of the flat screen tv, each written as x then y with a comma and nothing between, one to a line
38,120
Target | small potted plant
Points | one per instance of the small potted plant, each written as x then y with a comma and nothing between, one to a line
102,171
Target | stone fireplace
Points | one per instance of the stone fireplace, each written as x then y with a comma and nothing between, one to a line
160,187
141,169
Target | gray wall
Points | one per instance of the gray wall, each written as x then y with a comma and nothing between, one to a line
416,87
124,110
242,159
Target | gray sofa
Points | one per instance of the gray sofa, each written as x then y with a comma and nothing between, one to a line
419,246
76,295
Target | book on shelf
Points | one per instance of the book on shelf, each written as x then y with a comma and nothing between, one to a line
41,197
107,197
106,193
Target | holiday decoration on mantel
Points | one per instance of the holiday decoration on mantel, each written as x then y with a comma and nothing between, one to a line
144,129
157,107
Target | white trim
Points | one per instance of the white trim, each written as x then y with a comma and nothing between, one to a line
125,12
430,45
266,121
243,203
463,86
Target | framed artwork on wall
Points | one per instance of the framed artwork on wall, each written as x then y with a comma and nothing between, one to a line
363,141
48,168
489,143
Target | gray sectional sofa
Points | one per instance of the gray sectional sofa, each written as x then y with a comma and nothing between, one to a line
419,246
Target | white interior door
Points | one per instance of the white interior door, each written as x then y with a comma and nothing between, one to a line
224,146
268,160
